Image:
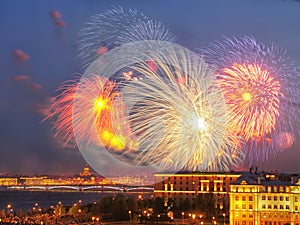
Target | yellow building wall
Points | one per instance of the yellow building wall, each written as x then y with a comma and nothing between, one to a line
8,181
261,205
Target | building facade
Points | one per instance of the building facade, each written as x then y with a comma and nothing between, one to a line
8,181
187,185
264,200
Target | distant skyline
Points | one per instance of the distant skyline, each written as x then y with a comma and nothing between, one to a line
27,145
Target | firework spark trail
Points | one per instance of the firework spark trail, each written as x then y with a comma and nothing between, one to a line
260,86
94,96
178,125
114,28
60,111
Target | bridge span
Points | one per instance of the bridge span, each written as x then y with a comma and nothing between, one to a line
100,188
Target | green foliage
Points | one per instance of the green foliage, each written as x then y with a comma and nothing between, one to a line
132,204
158,206
74,211
59,210
185,205
119,208
2,214
205,203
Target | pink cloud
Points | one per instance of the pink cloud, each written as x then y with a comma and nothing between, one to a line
42,109
21,78
60,23
35,86
55,14
20,55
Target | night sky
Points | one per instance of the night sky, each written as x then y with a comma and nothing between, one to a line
27,145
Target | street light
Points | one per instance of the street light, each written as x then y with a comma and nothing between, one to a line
182,217
140,197
193,217
213,220
9,209
129,215
224,217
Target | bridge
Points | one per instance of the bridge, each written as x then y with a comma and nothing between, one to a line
100,188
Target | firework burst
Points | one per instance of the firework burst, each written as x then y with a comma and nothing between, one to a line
260,87
116,27
176,112
95,97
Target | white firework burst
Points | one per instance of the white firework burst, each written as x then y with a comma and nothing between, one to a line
116,27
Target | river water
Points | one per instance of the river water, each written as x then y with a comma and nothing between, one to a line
25,200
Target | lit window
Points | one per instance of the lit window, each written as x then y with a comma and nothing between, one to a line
243,198
281,189
236,206
236,198
269,188
244,206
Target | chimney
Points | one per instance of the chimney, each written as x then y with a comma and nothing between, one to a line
258,180
292,180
